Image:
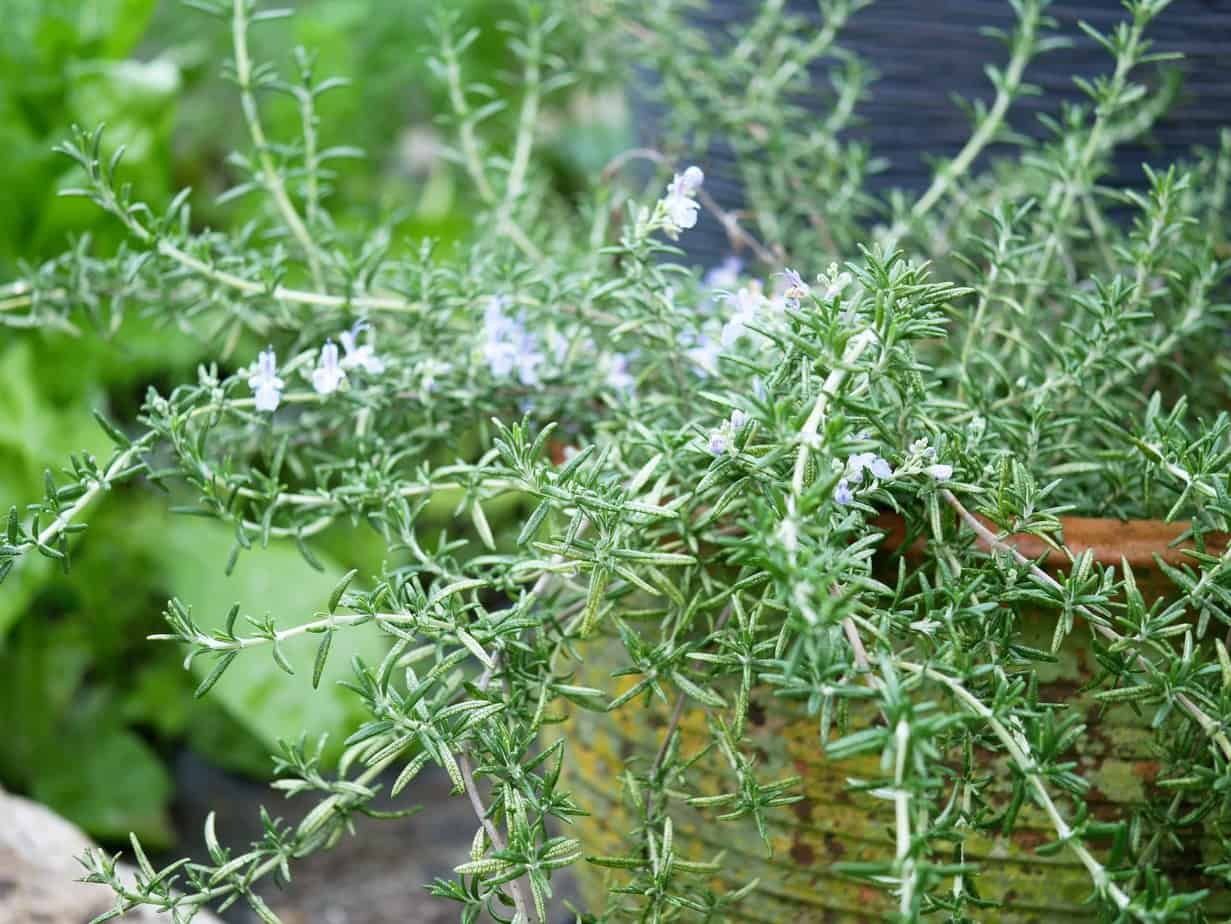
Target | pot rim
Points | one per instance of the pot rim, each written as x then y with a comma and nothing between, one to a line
1140,543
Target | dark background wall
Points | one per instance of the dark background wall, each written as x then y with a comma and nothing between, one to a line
925,51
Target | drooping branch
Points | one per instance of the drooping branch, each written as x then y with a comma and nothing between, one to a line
1212,728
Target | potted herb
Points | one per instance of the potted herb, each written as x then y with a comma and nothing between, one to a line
789,617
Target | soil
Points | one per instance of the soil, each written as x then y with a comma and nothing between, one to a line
376,876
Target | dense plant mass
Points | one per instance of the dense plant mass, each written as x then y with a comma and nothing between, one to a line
693,471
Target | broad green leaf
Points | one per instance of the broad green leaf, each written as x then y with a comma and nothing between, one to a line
254,690
79,779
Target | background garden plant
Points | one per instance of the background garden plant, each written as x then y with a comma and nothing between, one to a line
73,657
564,442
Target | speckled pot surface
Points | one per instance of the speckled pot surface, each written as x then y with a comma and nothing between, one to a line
833,824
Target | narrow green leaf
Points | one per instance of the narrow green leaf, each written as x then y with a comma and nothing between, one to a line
115,433
532,524
335,595
322,655
280,659
481,526
699,693
143,862
214,675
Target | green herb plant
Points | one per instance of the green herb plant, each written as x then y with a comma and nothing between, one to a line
694,476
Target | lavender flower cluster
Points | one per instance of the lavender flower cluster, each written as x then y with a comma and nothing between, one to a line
327,377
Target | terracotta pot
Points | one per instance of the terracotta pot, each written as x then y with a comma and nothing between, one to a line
833,824
1139,542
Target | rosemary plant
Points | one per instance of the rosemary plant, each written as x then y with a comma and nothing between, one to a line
701,469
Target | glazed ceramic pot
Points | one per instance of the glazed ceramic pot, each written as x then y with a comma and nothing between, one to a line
833,824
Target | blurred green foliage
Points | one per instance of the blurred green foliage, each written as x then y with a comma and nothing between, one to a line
82,689
65,62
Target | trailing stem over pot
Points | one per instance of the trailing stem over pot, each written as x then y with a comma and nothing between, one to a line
1012,348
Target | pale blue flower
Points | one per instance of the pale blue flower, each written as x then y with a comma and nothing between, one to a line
704,354
618,376
528,362
868,461
264,381
796,288
749,303
718,442
509,345
940,471
360,357
725,275
500,356
328,374
680,202
496,322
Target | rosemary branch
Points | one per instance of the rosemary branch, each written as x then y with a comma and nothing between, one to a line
1207,724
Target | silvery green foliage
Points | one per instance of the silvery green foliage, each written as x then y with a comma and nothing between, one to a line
699,462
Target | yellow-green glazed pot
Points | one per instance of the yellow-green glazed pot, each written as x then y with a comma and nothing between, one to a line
832,824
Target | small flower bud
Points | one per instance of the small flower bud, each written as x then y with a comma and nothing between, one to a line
842,493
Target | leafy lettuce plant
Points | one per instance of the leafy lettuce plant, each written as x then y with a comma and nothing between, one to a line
693,470
73,662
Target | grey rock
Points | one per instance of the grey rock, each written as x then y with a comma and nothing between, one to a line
39,871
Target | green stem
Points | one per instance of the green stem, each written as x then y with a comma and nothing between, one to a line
1018,749
807,434
1069,189
269,172
988,128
